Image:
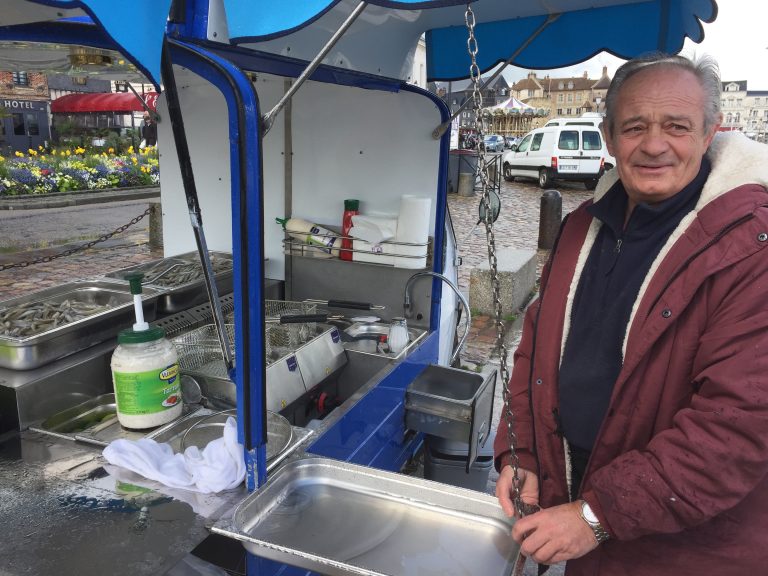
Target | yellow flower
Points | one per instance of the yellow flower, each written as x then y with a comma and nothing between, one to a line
68,152
130,149
32,152
111,150
2,159
19,154
134,160
40,148
79,150
42,158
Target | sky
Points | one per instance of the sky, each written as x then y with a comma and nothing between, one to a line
737,39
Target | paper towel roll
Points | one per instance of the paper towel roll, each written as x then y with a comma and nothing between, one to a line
413,227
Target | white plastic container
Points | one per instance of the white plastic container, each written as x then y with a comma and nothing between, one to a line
315,240
145,374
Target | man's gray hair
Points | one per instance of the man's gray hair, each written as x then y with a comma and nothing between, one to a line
704,67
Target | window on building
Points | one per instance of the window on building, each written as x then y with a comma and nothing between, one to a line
559,111
568,111
753,113
728,118
570,85
530,93
765,114
757,101
20,79
18,124
738,102
738,117
560,98
33,126
570,97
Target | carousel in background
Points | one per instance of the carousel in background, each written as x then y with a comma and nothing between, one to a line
514,118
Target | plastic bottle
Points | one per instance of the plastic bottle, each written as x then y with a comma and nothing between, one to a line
324,243
351,207
145,372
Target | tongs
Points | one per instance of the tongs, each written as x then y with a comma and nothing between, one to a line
346,304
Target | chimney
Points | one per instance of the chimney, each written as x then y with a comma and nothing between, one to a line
586,75
605,71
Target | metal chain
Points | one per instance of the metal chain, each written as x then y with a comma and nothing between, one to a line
71,251
482,166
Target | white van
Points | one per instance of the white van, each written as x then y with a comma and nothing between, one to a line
573,152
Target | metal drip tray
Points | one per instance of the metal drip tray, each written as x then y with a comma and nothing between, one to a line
337,518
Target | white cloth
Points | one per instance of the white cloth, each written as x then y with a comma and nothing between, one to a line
219,466
373,229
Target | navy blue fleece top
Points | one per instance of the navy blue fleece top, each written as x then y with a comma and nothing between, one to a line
616,267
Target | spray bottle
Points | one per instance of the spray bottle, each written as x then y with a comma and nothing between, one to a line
145,371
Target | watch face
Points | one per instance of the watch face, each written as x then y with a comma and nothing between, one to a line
589,516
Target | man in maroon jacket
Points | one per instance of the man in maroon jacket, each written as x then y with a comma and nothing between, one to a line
639,391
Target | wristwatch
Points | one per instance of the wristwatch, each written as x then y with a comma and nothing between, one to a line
591,519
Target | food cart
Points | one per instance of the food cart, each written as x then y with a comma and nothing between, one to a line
270,111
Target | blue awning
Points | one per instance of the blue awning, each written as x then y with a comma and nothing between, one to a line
383,39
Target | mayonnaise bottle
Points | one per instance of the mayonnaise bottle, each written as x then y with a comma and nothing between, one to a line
323,242
145,372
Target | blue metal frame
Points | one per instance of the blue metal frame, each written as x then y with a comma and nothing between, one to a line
248,247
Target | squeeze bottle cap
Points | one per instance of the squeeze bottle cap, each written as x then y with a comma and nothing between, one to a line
281,221
134,279
351,204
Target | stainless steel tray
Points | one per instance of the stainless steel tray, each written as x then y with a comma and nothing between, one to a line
172,296
95,422
337,518
24,353
282,438
364,339
453,404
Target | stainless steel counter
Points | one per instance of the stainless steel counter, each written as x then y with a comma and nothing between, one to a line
64,514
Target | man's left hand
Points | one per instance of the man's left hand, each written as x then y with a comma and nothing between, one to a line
554,534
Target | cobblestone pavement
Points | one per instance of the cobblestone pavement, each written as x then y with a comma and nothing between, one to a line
47,232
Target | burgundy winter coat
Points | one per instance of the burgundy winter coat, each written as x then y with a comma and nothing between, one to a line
679,472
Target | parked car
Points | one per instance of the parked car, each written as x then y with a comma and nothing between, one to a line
510,141
493,143
574,152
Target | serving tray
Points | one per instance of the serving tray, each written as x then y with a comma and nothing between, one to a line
338,518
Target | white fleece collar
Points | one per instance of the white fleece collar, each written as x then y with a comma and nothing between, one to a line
736,160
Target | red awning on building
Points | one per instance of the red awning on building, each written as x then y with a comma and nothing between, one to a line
125,102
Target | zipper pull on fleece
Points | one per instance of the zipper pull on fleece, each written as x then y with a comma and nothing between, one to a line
617,248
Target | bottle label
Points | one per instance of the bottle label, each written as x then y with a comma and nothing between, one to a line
150,392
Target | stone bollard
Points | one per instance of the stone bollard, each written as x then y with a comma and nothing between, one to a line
551,214
155,224
466,184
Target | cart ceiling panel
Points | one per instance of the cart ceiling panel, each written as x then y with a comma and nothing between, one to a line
382,40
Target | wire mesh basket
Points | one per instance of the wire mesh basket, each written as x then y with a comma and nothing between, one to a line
282,339
200,352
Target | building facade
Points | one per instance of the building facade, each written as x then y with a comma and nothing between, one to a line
744,110
24,118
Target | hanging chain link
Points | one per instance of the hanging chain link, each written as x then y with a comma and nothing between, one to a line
71,251
482,167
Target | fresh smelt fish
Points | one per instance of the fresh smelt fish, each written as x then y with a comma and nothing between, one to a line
170,276
33,318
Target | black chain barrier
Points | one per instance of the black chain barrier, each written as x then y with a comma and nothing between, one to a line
71,251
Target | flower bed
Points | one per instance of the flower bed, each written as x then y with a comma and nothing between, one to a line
65,170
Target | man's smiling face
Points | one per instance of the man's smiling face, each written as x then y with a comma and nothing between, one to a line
657,134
